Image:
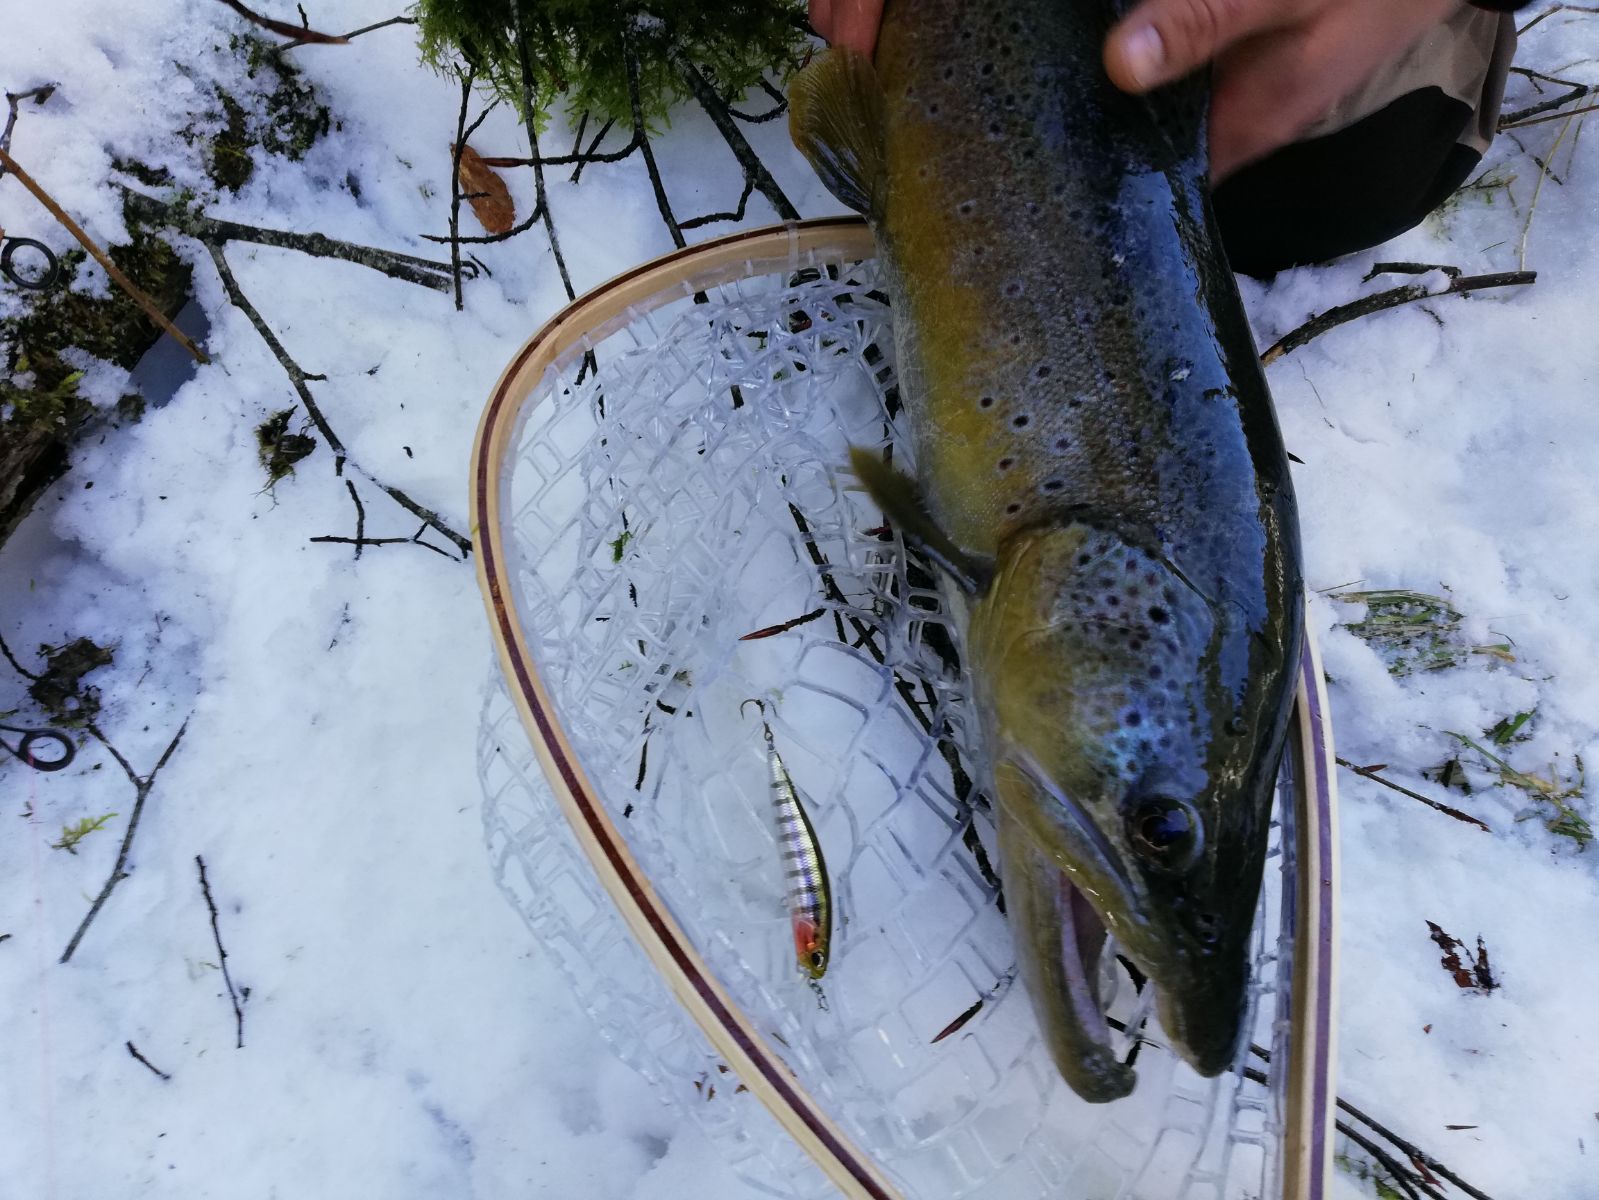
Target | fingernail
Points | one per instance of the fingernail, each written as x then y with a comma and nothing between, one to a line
1144,55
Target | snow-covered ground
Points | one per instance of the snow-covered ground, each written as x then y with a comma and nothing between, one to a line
402,1035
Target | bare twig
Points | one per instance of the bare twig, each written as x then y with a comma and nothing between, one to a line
641,135
716,109
1559,116
1373,773
13,102
298,380
222,956
1551,11
134,1050
1414,1152
405,267
139,297
5,651
541,202
1408,294
142,786
1543,173
533,219
1574,91
455,191
299,33
302,40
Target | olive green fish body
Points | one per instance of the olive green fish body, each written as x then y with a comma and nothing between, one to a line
1098,461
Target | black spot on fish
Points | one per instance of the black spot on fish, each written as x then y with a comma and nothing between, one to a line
1012,509
1006,463
1043,372
985,402
1062,445
1020,421
1133,718
995,129
966,207
1054,485
1013,289
1158,614
986,69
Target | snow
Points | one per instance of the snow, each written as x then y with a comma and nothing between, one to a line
403,1035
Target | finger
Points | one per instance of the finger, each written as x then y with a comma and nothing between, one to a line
821,16
1163,40
855,24
1270,89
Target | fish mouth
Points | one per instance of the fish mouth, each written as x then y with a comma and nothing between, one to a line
1066,924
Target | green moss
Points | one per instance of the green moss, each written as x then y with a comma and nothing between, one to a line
38,386
281,448
576,47
281,115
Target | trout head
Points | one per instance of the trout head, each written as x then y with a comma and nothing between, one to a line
1133,773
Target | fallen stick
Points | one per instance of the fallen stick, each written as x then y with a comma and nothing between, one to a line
222,955
151,308
1371,773
298,33
1393,298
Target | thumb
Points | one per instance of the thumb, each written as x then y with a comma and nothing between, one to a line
1163,40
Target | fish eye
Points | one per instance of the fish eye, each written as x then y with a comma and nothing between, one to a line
1166,832
816,960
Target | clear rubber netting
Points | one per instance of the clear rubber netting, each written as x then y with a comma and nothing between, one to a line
680,481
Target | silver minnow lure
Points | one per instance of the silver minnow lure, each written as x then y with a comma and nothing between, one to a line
809,895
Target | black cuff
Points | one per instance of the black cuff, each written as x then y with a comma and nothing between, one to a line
1503,6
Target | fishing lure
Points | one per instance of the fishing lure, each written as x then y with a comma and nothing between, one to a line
810,895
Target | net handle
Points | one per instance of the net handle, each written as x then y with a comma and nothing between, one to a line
1308,1143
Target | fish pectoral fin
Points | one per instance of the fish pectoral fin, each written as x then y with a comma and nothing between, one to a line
901,500
1057,959
835,116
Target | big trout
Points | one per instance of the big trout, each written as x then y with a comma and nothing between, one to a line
1099,467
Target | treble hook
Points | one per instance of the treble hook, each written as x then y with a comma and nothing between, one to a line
760,704
24,751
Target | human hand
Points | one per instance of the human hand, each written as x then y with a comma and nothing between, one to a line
1280,65
851,23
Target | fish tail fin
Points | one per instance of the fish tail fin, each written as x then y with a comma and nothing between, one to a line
835,117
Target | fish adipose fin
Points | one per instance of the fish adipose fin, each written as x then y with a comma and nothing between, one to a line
901,501
835,116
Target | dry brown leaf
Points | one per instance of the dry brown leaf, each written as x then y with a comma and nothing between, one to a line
486,192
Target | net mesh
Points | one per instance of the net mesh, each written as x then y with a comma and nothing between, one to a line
676,482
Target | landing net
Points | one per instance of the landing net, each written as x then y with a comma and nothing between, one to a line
671,482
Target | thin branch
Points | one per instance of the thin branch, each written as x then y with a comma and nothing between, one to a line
1549,12
534,218
5,650
142,786
139,297
1559,116
530,120
577,171
630,57
134,1050
1415,1152
1408,294
301,40
1575,91
407,268
455,191
565,160
752,166
1372,773
736,215
299,33
298,379
13,102
1543,173
1407,1180
222,956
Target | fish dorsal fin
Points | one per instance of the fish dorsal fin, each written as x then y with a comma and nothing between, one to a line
901,501
835,116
